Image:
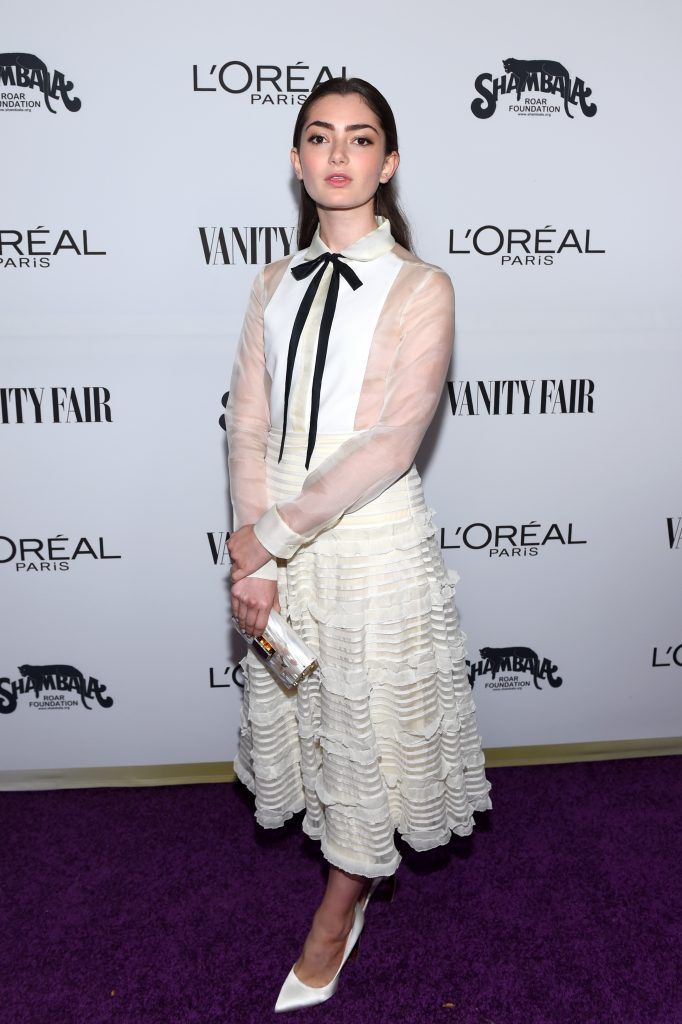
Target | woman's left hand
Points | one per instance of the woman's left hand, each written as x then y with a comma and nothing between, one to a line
246,553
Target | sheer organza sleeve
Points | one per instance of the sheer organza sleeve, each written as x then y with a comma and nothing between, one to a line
372,459
247,420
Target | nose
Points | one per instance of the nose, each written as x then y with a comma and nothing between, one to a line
337,153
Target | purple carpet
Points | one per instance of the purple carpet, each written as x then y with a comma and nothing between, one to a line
170,905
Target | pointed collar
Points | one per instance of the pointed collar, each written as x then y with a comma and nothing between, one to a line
375,243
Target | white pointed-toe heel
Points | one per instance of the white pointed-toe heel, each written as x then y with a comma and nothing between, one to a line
295,993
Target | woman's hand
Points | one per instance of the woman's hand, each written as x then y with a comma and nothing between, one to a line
252,600
246,553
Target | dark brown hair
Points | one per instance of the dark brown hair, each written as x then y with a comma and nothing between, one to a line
385,199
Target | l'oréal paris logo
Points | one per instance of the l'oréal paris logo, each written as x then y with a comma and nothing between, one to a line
225,678
521,247
51,554
37,248
541,88
509,540
236,246
667,656
264,84
19,71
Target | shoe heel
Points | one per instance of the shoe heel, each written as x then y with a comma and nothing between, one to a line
389,885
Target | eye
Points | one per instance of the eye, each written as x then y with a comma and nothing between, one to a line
316,139
363,140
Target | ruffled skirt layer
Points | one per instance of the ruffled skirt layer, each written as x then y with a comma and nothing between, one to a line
384,735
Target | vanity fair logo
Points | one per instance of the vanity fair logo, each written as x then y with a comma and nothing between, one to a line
221,678
51,688
540,88
264,84
521,247
55,405
27,72
674,532
217,543
513,668
36,248
667,656
50,554
509,397
227,247
508,540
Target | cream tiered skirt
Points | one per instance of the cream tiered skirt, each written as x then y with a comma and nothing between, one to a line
384,735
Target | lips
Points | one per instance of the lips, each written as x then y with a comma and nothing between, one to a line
337,179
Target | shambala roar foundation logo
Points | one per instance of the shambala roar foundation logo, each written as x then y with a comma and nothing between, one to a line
50,685
537,81
26,71
504,665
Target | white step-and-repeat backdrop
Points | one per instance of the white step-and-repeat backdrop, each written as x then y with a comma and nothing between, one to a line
145,178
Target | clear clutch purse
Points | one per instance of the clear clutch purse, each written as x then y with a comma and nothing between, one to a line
282,652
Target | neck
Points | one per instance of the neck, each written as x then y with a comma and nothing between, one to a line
340,228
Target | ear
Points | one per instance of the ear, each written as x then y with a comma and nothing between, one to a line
296,163
391,162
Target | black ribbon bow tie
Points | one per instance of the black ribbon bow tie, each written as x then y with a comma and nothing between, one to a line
300,271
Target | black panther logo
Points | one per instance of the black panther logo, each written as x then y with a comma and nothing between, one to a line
39,674
519,659
522,69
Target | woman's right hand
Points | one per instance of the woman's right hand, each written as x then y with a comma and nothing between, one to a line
252,600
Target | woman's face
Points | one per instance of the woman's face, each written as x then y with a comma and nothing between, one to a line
341,157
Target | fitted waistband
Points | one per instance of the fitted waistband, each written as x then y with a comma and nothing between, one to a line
286,478
299,438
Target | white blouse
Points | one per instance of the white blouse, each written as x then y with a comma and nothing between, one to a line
387,358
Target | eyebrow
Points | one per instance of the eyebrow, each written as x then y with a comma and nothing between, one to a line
349,127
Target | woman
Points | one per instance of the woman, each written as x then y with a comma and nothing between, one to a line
340,367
